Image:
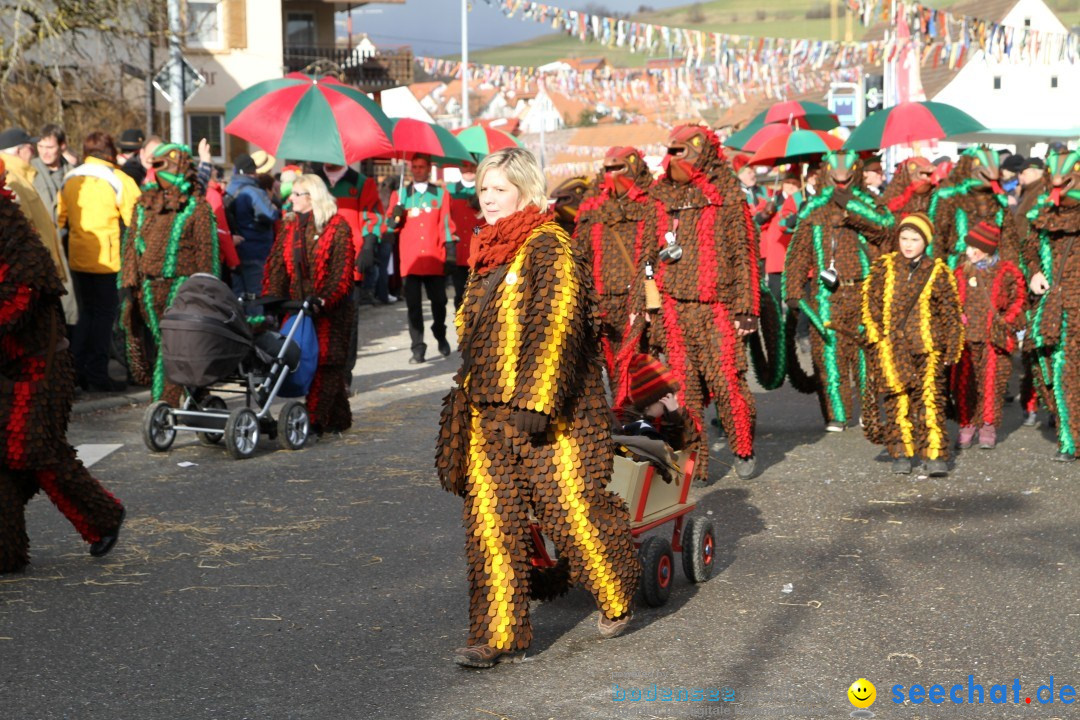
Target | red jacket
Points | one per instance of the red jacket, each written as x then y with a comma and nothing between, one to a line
464,215
776,235
215,197
358,203
426,229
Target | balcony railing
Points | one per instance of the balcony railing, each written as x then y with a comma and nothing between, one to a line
370,72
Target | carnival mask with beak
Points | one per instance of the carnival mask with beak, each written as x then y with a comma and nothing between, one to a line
172,165
1064,171
621,166
566,198
685,152
984,166
841,168
921,174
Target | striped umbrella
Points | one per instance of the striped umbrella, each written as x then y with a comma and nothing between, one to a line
799,146
313,118
799,115
763,134
416,137
483,140
910,122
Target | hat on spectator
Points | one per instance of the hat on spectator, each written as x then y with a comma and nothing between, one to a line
1037,163
13,137
264,161
1013,163
739,161
131,139
244,164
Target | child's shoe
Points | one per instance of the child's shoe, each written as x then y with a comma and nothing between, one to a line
967,436
987,437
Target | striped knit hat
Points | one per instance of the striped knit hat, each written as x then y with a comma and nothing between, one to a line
650,380
985,236
920,223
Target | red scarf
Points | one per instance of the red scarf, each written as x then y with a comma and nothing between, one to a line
496,244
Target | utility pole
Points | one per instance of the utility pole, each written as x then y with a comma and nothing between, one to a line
176,75
151,27
464,63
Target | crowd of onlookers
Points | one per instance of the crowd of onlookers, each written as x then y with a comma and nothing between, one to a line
82,203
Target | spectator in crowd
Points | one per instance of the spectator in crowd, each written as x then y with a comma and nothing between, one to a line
15,141
1011,167
420,215
777,223
20,179
755,195
874,176
138,164
96,204
129,144
465,212
52,164
357,197
253,218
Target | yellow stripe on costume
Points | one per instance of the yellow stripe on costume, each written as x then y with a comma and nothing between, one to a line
552,350
496,556
510,320
583,532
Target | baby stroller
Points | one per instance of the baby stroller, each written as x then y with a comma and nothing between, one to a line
206,341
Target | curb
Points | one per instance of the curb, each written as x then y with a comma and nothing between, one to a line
110,402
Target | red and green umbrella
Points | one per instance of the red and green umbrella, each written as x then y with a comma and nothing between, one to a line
483,140
911,122
799,146
416,137
313,118
799,115
763,134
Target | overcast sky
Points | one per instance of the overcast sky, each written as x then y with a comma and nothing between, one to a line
433,27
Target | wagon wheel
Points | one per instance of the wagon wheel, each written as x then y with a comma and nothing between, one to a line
658,566
241,433
159,429
293,425
212,402
699,549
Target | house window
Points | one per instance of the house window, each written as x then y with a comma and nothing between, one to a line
204,24
1027,22
997,82
300,29
1053,81
209,127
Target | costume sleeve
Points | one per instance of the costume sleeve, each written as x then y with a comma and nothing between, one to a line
372,214
874,224
129,258
1009,294
555,323
799,260
16,299
276,278
948,329
334,281
872,302
944,217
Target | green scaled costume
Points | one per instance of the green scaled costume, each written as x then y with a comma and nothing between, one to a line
971,196
173,236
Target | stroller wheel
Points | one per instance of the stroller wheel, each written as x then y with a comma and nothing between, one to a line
212,402
158,427
293,425
657,568
241,433
699,549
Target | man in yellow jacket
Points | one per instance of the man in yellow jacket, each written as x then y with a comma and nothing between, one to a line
20,178
96,204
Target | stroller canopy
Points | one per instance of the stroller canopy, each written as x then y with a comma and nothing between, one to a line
204,333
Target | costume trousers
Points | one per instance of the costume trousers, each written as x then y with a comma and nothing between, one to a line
141,318
435,287
1065,366
98,302
614,312
510,475
89,507
837,364
915,418
708,359
979,381
328,399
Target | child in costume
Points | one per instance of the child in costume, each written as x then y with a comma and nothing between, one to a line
911,314
992,294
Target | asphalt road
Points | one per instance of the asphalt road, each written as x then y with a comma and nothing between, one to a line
329,583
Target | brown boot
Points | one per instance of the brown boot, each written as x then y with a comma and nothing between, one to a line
485,656
613,628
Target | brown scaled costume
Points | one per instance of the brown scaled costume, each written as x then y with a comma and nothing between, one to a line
704,293
614,224
37,386
305,262
173,236
971,195
840,230
911,312
529,337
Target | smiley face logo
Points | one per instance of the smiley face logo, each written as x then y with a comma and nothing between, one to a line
862,693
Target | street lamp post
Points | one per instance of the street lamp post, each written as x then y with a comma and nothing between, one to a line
464,63
176,75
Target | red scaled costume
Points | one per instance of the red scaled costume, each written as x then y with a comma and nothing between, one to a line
307,262
37,385
911,188
614,224
706,260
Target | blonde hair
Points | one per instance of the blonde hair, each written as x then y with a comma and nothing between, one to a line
323,205
521,170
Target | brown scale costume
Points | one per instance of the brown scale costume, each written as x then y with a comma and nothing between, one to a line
37,386
566,200
306,263
911,313
614,224
971,195
528,430
839,229
173,236
1053,249
707,295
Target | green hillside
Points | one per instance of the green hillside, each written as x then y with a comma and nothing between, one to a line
757,18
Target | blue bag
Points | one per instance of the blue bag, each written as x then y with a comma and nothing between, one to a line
298,381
